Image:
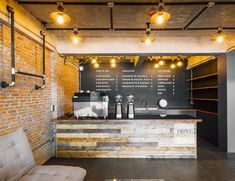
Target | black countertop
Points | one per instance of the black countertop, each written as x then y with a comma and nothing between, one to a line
70,117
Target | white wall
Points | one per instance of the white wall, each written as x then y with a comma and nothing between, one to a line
134,46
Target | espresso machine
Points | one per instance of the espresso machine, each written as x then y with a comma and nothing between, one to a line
130,107
118,107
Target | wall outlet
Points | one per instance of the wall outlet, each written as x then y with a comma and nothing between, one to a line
52,108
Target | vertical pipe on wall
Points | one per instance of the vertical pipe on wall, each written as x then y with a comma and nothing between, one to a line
12,83
43,62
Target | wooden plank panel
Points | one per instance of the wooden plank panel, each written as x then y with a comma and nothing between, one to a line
147,139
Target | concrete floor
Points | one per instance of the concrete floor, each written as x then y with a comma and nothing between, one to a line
211,165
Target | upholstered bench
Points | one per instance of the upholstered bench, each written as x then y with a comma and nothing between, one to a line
17,163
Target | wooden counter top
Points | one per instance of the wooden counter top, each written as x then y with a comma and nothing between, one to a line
138,119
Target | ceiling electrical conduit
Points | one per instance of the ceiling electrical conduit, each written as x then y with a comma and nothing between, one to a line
5,84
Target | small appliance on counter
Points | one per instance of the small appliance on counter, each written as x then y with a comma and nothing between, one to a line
118,107
90,104
130,107
162,103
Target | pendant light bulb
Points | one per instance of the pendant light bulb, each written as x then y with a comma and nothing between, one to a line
59,16
96,65
219,37
179,64
148,39
160,19
113,65
161,62
156,65
76,38
173,66
113,61
94,61
159,16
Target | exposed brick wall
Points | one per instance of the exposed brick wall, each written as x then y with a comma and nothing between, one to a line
24,106
71,76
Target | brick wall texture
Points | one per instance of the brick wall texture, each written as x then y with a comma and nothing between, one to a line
24,106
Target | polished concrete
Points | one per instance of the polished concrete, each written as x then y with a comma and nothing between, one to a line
211,165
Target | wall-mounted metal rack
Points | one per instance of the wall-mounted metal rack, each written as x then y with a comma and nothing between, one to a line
5,84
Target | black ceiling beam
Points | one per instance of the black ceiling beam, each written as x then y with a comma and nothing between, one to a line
179,3
195,17
111,5
140,29
80,29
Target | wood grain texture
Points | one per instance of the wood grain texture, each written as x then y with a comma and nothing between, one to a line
126,139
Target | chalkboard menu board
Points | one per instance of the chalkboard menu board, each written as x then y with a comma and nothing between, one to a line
146,83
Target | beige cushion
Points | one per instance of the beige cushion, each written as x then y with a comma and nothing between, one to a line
16,158
55,173
17,162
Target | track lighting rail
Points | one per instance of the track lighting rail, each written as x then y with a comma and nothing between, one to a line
130,3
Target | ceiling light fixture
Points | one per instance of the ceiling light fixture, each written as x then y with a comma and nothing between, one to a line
161,62
159,16
76,38
59,16
113,65
94,60
173,66
113,61
179,63
220,36
148,39
156,65
96,65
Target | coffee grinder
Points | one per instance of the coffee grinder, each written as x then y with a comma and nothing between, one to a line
118,107
130,107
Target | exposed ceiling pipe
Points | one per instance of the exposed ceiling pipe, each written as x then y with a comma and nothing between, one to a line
210,4
12,83
131,3
140,29
111,5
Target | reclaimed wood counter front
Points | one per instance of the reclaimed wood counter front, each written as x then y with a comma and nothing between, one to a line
138,138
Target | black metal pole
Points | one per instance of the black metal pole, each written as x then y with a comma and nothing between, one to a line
194,18
29,74
5,84
12,43
43,57
139,29
43,63
130,3
111,17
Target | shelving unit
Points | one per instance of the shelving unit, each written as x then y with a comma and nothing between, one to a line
203,88
203,85
203,99
202,77
208,112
